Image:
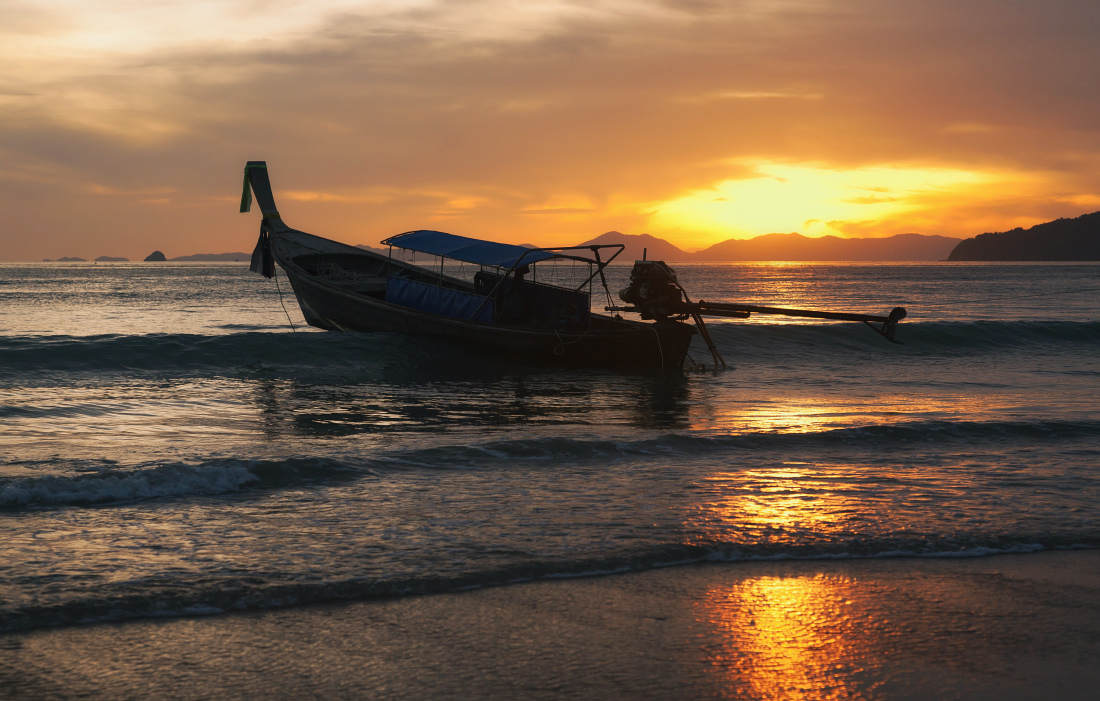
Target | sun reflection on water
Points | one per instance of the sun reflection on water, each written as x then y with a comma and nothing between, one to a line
791,637
800,504
809,417
818,413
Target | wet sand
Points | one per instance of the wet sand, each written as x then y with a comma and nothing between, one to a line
1001,627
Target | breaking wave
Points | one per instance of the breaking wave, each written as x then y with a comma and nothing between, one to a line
117,485
211,595
112,484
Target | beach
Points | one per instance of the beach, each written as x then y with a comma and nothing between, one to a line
999,627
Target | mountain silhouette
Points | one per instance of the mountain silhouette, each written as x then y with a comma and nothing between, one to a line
1061,239
916,247
792,247
795,246
655,248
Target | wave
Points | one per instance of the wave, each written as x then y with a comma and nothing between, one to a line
210,595
248,351
871,438
253,351
115,485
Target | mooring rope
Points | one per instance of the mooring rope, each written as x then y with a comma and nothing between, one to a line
280,289
560,348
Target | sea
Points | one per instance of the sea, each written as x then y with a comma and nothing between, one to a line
175,441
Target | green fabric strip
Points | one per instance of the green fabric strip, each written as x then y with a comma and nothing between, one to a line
246,196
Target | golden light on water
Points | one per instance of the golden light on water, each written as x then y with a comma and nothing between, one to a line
811,417
792,503
791,637
817,414
780,415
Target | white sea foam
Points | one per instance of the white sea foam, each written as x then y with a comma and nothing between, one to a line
160,481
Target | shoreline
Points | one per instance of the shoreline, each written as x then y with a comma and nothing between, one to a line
1000,626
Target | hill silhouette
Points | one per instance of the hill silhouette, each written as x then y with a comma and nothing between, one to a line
795,246
656,249
1061,239
792,246
372,249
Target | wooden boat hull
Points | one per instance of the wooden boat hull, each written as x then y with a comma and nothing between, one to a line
610,343
347,288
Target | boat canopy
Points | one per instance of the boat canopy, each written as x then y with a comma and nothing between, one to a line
467,250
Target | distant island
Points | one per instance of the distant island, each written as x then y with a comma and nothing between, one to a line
73,259
1061,239
208,257
157,256
795,247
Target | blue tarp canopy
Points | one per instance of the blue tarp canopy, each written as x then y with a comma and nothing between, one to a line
439,300
466,249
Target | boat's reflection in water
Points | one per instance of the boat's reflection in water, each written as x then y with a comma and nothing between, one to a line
452,390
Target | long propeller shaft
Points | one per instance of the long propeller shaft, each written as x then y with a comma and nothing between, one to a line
742,310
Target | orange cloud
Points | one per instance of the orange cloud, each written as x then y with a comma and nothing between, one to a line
539,123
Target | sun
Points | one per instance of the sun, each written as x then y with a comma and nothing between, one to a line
811,199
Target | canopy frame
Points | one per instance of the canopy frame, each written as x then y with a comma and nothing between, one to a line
498,255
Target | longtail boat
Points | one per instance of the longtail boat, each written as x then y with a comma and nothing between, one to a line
504,308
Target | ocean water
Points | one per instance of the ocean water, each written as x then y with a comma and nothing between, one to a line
170,445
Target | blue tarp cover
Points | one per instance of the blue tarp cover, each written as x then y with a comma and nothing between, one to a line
439,300
466,249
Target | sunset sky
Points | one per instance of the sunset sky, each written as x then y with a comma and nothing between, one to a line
125,124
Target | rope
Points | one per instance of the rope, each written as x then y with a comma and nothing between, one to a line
280,289
333,272
560,348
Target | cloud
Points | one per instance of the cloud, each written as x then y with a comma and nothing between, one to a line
509,108
870,200
749,95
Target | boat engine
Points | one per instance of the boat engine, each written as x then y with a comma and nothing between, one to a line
653,290
655,293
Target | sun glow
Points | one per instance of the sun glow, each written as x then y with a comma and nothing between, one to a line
808,198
